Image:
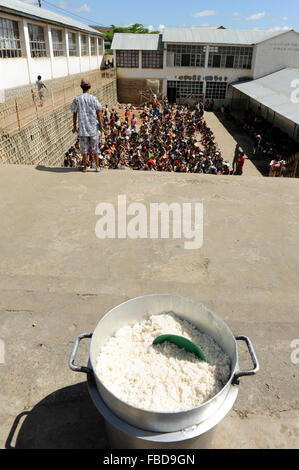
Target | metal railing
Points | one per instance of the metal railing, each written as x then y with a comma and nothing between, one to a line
17,113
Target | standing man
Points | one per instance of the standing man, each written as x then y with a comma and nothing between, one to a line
40,88
87,108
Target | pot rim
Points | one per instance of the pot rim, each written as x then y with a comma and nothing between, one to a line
164,413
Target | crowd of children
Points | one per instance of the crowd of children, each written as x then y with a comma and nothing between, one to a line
169,137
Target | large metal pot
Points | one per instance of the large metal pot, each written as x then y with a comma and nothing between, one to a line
124,436
139,309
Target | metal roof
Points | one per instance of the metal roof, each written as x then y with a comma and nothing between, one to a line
145,42
31,11
218,36
275,92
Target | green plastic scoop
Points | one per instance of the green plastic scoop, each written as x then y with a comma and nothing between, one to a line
183,343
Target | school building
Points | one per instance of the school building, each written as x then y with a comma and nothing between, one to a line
211,64
35,41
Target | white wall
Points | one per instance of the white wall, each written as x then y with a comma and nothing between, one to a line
40,66
93,62
74,65
85,63
276,54
59,67
13,72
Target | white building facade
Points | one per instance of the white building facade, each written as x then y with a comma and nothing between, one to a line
201,62
34,41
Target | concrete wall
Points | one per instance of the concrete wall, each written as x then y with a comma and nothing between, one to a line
128,90
276,54
45,141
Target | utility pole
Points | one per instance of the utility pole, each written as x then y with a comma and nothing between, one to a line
40,3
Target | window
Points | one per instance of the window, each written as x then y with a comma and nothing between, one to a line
57,42
229,62
230,57
152,59
185,89
72,44
186,55
10,44
101,46
37,41
93,48
84,45
128,59
185,60
216,90
216,60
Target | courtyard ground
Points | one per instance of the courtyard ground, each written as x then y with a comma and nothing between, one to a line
57,279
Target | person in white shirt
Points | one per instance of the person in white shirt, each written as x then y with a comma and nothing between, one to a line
87,108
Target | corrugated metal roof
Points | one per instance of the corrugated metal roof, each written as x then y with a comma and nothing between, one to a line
145,42
275,92
217,36
28,10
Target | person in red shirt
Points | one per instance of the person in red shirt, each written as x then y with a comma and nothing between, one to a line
240,164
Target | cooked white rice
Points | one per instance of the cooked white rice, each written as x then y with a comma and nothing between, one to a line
163,377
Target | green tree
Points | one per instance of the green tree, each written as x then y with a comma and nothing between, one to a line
136,28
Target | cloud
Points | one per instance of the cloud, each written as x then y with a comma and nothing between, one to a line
161,27
285,18
84,7
150,28
204,13
256,16
236,14
279,28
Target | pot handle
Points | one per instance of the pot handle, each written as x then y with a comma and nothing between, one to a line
253,358
85,370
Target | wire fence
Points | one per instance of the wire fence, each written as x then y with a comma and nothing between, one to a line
17,113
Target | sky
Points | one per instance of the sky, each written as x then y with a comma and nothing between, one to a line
272,15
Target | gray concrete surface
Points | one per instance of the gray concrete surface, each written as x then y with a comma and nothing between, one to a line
57,280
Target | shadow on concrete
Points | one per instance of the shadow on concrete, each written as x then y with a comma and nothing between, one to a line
57,169
66,419
261,163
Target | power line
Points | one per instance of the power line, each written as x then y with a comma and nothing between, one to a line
73,14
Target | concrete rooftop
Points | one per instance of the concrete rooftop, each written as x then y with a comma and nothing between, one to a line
57,280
